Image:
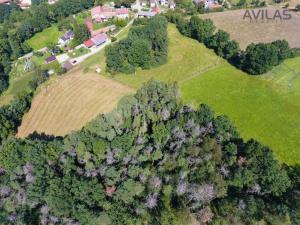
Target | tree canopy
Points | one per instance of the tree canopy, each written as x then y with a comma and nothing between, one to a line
144,163
146,46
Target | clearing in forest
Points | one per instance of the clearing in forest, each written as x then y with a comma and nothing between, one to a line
69,102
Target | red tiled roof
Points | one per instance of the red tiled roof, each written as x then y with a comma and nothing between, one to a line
156,9
89,43
89,25
4,1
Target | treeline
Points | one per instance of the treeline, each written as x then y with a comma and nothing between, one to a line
256,59
146,46
152,161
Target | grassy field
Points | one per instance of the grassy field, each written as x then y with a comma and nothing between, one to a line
69,102
18,83
246,32
266,108
40,40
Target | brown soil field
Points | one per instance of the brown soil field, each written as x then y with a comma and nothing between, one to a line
245,31
69,102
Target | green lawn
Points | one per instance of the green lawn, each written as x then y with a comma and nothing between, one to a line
79,52
19,79
18,83
266,107
41,39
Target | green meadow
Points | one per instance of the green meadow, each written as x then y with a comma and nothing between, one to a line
48,35
266,108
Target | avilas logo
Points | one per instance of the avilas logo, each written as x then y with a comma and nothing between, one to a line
267,15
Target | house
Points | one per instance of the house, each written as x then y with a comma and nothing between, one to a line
172,4
156,9
209,4
51,2
122,13
143,3
50,59
5,1
152,3
25,4
163,2
89,43
103,13
212,5
146,14
99,39
66,38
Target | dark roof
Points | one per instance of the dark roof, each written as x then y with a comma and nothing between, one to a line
99,39
67,65
51,58
68,35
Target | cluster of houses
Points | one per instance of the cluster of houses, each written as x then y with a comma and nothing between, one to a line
25,4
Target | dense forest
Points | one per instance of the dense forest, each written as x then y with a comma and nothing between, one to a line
150,161
256,59
146,46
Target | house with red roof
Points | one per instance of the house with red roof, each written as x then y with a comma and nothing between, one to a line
89,25
156,9
24,4
5,1
103,13
97,40
89,43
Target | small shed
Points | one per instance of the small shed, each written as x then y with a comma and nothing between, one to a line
50,59
67,65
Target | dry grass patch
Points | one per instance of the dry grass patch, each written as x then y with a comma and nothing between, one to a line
246,32
69,102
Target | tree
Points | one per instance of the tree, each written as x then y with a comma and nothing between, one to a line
144,163
201,30
222,45
81,34
259,58
140,54
146,46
